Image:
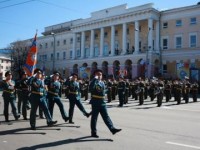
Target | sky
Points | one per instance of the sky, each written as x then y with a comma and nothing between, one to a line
19,19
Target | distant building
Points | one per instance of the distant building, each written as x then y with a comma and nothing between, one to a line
5,63
137,41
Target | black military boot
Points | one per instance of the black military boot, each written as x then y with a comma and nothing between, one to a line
94,134
51,123
114,130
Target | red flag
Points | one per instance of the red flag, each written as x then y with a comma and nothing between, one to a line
31,59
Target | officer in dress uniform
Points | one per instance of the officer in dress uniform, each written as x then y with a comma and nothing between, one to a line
194,90
24,87
53,95
8,86
127,94
121,91
38,98
97,89
167,90
75,98
109,93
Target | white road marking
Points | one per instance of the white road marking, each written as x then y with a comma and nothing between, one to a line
166,107
183,145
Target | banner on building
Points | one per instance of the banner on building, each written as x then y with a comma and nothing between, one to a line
84,72
183,69
194,74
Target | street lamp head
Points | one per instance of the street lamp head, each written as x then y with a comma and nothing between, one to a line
52,33
136,29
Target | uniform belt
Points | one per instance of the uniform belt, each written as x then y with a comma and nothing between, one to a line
26,89
53,93
11,92
120,88
98,97
38,93
75,93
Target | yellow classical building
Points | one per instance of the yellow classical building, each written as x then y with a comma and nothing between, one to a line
136,41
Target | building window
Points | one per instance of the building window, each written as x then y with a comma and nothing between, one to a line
193,21
87,52
40,46
140,46
164,68
51,44
178,23
78,39
96,36
64,55
1,67
45,57
178,42
116,32
58,55
71,54
71,40
87,38
58,43
105,34
140,28
165,25
64,42
40,57
127,30
46,45
78,53
51,56
165,43
193,40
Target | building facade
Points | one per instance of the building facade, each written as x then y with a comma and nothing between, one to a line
5,64
137,41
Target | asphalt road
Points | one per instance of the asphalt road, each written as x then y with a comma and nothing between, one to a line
146,127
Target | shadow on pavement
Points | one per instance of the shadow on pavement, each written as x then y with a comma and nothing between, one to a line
62,142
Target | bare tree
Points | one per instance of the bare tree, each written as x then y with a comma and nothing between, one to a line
18,57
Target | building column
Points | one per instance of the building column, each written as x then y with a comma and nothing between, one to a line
157,36
136,30
124,43
74,46
150,34
112,46
92,44
101,42
83,44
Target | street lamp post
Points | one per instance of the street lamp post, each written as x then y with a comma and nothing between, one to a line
54,49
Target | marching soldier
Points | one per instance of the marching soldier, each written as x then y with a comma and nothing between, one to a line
109,92
126,91
38,98
9,96
168,91
194,92
53,96
74,98
141,92
160,92
97,89
121,91
114,89
186,91
25,91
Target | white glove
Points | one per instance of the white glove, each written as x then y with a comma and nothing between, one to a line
11,87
